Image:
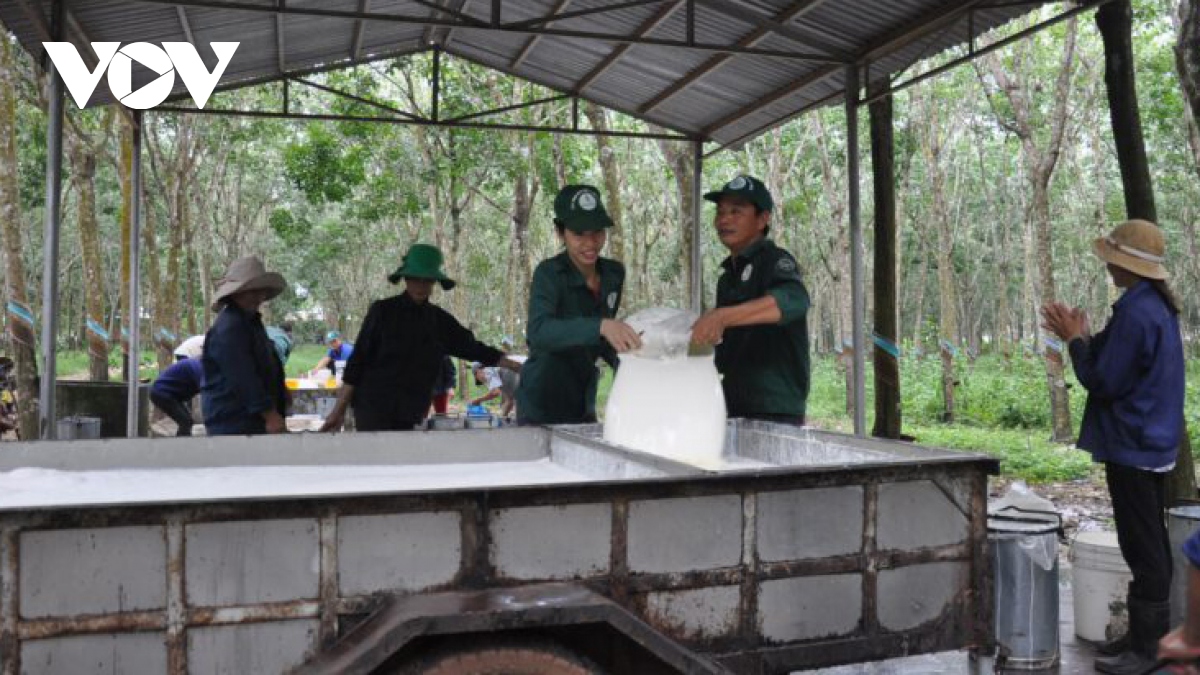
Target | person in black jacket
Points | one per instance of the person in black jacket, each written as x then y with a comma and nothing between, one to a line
389,378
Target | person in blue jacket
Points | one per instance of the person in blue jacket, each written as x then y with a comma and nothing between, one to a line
1133,371
243,389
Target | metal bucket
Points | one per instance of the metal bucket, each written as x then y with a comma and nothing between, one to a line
445,422
78,427
1025,565
1182,522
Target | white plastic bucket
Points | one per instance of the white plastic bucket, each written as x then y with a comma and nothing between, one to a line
1099,580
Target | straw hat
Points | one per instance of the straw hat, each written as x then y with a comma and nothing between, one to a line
248,274
1137,246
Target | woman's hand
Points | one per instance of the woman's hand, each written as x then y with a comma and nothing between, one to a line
1067,323
620,335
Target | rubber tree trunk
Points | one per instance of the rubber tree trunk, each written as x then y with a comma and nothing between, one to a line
887,367
1115,21
20,333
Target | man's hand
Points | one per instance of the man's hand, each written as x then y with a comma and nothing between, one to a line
334,421
620,335
1174,648
275,423
709,329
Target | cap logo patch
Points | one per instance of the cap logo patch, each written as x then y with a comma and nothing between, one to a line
785,266
612,300
585,200
739,183
747,272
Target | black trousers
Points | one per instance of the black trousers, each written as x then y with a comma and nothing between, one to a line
177,410
1139,502
369,418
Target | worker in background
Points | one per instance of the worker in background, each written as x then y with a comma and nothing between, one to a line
174,389
338,351
190,348
573,302
243,391
760,323
1133,372
501,383
399,351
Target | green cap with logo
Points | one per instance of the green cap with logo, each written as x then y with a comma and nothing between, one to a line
745,187
578,208
423,261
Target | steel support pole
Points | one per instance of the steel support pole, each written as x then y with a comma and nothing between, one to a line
696,292
134,320
54,147
857,277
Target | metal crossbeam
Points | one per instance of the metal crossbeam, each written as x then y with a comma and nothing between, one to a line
744,12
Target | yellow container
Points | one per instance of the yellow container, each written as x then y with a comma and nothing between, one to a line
292,383
331,383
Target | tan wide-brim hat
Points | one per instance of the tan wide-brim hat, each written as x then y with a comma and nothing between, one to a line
248,274
1137,246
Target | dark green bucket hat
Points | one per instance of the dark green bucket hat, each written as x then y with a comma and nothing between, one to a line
745,187
423,261
579,209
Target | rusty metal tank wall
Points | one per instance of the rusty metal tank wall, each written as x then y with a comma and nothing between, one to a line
767,570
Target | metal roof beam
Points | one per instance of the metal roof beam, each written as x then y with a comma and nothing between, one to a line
475,24
790,14
648,26
419,122
365,101
550,18
741,11
185,24
507,108
799,85
532,42
280,48
360,29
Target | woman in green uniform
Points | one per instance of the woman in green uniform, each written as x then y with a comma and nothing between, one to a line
572,302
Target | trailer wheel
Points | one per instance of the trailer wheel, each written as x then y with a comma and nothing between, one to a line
509,657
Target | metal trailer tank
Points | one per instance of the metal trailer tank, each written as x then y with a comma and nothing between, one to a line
357,553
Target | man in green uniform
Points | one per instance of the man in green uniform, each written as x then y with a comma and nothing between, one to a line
760,323
573,300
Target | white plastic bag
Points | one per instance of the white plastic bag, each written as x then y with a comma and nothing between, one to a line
665,332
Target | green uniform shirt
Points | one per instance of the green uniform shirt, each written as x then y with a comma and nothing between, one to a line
765,368
558,382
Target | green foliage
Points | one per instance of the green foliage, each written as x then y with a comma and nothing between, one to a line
323,168
1022,454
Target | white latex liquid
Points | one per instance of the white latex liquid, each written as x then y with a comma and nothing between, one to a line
669,407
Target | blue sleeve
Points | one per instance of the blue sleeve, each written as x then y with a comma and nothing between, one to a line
1108,365
1191,548
231,345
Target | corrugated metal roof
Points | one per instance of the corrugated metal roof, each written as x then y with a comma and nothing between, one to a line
697,90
